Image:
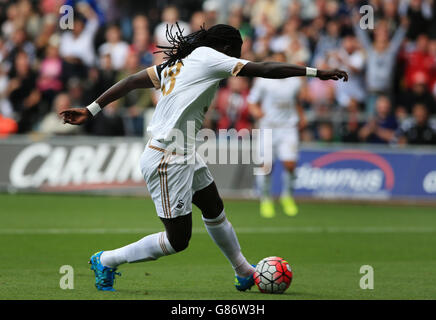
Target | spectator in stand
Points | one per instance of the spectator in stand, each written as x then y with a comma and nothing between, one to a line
32,20
50,76
297,53
142,44
5,105
47,35
418,93
140,23
352,60
270,9
432,51
107,123
19,42
114,47
211,8
75,90
7,124
262,38
381,128
325,132
329,41
170,16
23,93
319,92
419,13
419,60
77,46
136,101
420,130
11,22
291,31
52,122
198,19
381,59
349,129
230,108
390,15
100,78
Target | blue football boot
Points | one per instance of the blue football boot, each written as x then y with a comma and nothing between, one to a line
243,284
104,276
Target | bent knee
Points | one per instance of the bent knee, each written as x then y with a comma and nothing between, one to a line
290,165
179,242
213,209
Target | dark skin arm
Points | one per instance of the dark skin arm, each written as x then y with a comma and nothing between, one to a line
273,70
278,70
120,89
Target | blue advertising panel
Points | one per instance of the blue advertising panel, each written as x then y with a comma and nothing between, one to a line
365,174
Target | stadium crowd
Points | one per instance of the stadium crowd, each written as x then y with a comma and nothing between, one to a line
389,98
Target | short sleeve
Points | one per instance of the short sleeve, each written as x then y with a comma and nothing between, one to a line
154,76
255,95
221,65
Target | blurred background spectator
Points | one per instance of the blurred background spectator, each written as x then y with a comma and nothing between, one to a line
230,108
419,129
52,122
382,126
389,98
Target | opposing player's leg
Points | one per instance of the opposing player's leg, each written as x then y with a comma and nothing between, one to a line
223,234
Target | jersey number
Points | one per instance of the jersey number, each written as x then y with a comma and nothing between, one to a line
172,73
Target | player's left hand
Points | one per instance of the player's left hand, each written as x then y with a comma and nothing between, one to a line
334,74
75,115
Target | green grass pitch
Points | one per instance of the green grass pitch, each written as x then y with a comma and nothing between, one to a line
326,244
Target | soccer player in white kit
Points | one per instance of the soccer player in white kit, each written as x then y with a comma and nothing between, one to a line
273,102
188,80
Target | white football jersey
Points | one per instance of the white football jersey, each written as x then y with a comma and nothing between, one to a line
188,88
277,98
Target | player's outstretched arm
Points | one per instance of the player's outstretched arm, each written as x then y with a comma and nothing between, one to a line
278,70
120,89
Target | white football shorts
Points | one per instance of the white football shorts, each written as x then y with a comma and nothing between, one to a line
172,181
283,144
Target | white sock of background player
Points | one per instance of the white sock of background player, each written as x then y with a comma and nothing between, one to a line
148,248
264,186
222,233
288,180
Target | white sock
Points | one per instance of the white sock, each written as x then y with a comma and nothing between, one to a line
288,179
148,248
222,233
264,186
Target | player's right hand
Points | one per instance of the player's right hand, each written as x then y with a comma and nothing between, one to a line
75,115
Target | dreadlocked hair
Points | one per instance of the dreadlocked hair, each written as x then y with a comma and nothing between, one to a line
181,46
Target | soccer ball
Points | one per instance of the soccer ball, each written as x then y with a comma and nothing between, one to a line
273,275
